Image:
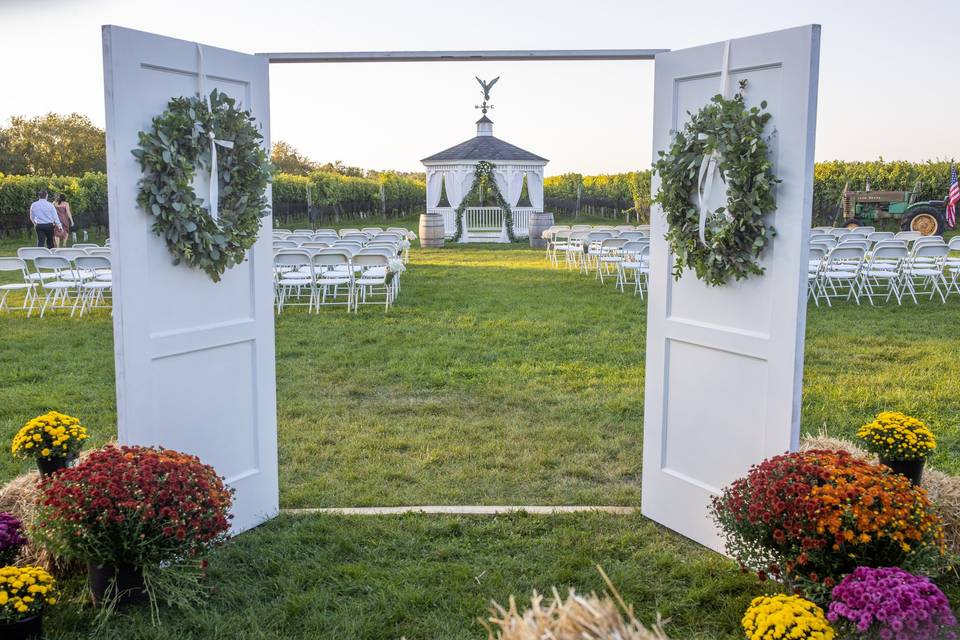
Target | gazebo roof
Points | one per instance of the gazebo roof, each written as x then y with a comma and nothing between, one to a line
484,146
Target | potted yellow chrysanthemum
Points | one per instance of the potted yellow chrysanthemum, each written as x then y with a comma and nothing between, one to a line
53,440
902,442
781,617
24,593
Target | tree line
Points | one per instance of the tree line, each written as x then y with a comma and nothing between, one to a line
32,149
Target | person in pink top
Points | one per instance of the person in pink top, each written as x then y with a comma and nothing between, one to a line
62,234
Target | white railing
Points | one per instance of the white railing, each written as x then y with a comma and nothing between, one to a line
521,220
484,218
449,219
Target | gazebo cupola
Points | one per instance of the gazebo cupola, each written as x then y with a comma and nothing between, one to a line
452,172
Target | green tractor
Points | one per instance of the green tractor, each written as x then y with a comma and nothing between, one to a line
874,208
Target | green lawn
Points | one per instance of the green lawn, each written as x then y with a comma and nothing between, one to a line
431,578
494,380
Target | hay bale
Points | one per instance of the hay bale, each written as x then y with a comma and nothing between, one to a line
943,489
574,618
19,497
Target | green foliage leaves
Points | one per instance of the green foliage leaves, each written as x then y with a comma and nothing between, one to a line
736,234
52,144
483,175
169,153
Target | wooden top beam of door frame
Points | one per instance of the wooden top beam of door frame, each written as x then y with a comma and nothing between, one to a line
462,56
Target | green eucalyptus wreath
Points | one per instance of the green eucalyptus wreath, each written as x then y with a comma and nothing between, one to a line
169,154
484,170
735,234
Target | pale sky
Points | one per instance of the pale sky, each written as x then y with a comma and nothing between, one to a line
888,70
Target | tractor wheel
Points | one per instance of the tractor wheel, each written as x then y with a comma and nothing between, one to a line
924,218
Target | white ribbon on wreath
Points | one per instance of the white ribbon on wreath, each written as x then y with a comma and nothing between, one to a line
214,192
710,165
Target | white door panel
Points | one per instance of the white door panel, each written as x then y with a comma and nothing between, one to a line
724,364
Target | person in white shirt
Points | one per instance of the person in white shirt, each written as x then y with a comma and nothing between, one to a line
45,220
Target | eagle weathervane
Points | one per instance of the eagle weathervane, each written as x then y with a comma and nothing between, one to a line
486,94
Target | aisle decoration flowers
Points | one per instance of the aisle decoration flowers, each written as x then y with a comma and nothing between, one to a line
25,592
130,508
889,602
11,538
781,617
896,436
52,435
809,518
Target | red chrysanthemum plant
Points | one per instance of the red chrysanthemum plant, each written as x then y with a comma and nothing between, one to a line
138,507
809,518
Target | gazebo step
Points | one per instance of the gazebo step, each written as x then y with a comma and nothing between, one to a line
483,236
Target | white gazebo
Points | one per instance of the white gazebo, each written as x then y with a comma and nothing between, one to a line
452,172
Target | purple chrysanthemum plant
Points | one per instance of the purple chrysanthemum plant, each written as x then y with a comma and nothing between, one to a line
11,538
889,603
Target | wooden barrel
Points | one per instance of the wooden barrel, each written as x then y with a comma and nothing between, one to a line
431,230
539,222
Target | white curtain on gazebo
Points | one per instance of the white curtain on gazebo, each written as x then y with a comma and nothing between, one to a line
510,183
535,189
434,187
457,185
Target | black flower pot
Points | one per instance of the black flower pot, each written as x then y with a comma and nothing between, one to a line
26,629
911,469
49,465
129,589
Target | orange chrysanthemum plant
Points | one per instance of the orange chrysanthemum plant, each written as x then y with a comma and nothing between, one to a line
809,518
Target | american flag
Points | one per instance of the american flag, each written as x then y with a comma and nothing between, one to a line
952,198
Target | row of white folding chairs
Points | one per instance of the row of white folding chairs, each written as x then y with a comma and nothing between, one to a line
86,281
582,247
320,241
623,257
301,234
313,279
849,271
875,236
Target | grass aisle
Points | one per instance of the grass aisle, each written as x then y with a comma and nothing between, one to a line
495,380
431,578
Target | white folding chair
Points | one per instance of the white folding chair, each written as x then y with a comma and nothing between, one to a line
293,274
299,238
592,248
951,265
284,244
635,266
371,280
313,246
610,256
909,236
841,272
882,269
557,243
55,288
28,254
28,286
96,282
818,252
925,267
333,270
877,236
